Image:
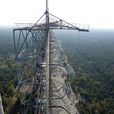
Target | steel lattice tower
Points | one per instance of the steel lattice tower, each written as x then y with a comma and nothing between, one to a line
32,48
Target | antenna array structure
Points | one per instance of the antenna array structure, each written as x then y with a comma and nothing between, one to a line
31,44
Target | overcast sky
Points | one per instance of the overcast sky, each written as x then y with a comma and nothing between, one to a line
96,13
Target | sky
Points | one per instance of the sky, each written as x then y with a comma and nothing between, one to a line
96,13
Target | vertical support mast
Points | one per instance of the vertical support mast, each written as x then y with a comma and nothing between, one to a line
47,16
47,5
47,62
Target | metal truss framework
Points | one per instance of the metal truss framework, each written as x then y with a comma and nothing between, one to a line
31,44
